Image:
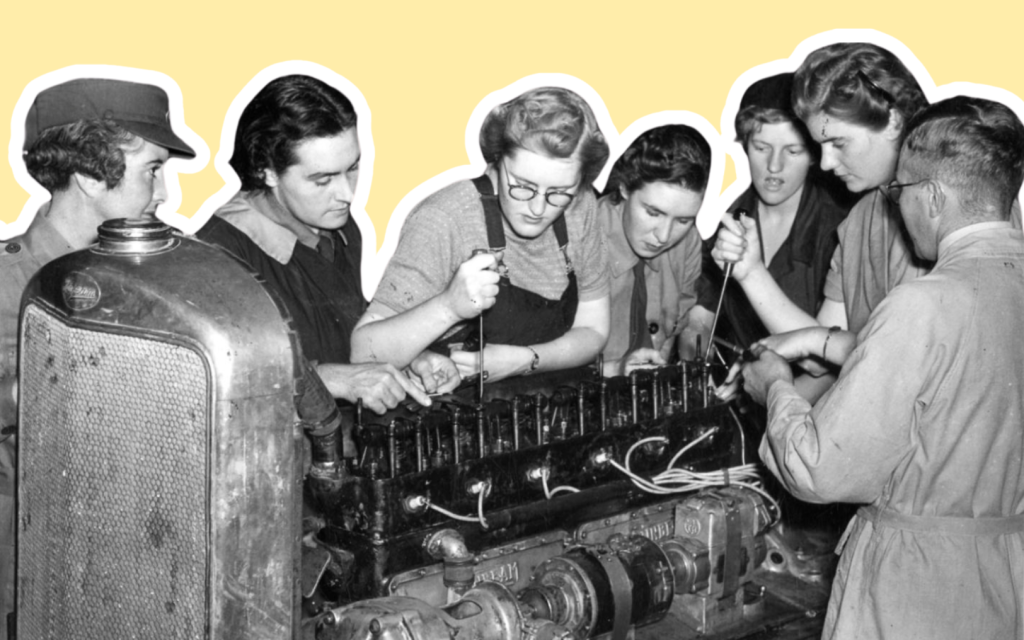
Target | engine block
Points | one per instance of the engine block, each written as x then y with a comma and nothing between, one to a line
523,477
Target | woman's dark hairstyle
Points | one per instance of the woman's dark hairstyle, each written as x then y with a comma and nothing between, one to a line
974,145
94,148
287,111
750,119
858,83
768,101
550,121
675,153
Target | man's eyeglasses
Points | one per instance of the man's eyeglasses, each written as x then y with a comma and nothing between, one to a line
894,190
523,193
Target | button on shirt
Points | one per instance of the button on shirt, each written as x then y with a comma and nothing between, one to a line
671,283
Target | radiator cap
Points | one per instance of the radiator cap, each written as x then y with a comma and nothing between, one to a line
135,237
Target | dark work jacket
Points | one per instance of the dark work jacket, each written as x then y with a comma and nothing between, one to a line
324,297
799,266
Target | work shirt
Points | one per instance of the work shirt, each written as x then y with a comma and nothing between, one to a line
799,266
322,293
925,425
442,232
20,258
874,255
671,283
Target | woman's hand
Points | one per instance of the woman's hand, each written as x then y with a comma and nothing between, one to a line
500,361
474,287
738,243
434,373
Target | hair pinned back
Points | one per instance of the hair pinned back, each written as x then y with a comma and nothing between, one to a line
859,83
550,121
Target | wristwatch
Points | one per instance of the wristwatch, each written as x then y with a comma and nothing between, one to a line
536,360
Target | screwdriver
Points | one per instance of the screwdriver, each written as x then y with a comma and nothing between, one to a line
721,296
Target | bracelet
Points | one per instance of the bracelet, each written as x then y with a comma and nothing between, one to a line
824,347
536,360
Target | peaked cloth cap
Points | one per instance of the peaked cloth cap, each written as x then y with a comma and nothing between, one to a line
139,108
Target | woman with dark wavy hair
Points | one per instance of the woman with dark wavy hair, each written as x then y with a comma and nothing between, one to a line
540,281
648,213
297,155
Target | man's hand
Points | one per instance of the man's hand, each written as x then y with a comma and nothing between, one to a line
379,386
739,243
759,375
642,359
474,287
434,373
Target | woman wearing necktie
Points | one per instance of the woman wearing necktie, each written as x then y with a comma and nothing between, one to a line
648,213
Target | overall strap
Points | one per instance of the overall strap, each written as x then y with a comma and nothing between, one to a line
562,234
492,213
496,231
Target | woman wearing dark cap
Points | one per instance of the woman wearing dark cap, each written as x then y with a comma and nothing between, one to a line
796,217
787,203
541,280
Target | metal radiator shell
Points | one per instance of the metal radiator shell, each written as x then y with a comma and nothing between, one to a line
202,315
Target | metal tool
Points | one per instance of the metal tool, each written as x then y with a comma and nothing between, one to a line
480,328
746,354
721,296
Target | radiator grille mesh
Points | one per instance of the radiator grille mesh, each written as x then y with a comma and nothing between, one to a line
114,508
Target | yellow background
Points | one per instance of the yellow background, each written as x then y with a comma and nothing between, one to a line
424,66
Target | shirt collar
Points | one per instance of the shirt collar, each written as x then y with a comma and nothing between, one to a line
804,230
257,215
620,255
54,244
954,237
801,234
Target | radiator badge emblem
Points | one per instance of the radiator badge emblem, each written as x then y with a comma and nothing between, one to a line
81,292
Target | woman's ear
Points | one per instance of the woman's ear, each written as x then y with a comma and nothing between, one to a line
89,185
270,178
894,129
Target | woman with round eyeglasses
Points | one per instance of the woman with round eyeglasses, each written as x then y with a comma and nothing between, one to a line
856,100
519,244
